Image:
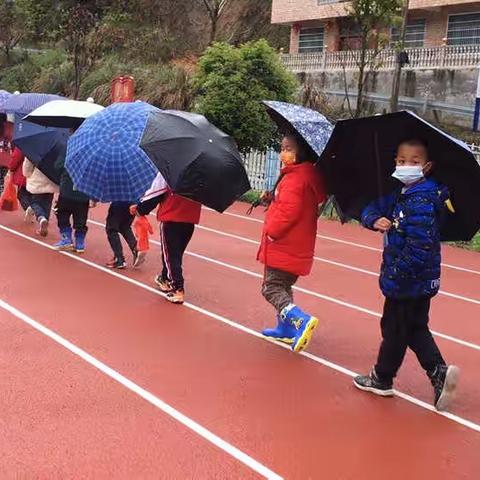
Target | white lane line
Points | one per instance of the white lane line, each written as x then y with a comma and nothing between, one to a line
336,264
345,242
310,292
145,394
243,328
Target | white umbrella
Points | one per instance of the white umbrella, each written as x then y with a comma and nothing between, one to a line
63,113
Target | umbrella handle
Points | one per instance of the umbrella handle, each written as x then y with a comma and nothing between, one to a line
377,161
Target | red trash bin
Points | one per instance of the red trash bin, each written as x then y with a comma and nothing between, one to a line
123,89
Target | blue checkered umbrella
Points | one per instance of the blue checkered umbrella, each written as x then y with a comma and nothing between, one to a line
24,103
104,157
4,96
311,125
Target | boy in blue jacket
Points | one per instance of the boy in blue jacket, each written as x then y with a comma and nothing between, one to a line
410,220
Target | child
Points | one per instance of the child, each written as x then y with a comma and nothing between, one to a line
41,190
177,216
288,240
71,204
119,221
410,219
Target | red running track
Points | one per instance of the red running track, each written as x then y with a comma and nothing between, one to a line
291,414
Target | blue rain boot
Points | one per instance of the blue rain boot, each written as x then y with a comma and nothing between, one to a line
283,332
303,323
80,241
65,242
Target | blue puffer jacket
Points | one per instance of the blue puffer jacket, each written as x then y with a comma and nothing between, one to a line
411,255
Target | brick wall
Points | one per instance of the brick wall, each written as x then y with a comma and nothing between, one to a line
291,11
436,22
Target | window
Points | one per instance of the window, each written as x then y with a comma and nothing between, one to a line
414,35
464,29
350,35
311,40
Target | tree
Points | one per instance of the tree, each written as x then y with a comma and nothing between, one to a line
368,17
399,60
232,82
215,9
81,43
11,27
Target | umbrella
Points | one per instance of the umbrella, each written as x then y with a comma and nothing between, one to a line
359,160
63,113
24,103
4,96
104,158
41,145
197,160
116,154
311,125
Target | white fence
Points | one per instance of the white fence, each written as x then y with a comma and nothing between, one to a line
462,56
263,168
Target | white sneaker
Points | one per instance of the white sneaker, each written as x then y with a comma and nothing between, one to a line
29,215
43,231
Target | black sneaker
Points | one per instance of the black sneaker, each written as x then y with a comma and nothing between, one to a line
116,263
139,258
444,380
371,383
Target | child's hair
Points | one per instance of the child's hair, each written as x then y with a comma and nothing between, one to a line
305,153
414,142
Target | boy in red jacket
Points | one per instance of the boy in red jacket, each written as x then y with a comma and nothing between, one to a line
288,241
177,216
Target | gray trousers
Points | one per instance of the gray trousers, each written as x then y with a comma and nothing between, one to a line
277,288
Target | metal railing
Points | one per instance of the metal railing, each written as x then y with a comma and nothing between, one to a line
263,168
461,56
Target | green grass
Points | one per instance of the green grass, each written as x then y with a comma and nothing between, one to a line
472,245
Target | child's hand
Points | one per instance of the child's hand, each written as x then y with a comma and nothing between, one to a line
93,204
382,225
133,210
266,197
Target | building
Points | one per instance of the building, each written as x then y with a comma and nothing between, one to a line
323,25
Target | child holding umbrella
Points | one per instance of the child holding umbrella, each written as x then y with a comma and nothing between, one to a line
288,240
410,218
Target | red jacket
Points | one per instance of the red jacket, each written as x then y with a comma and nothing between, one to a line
290,229
179,210
15,166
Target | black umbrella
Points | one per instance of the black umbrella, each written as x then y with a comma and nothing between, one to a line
359,160
197,160
41,145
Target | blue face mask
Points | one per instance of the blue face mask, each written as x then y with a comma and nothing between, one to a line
408,175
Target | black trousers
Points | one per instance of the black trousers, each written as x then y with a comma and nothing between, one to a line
119,222
67,208
405,325
175,238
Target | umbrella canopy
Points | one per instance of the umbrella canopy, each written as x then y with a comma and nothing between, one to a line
104,158
63,113
359,160
41,145
197,160
4,96
311,125
24,103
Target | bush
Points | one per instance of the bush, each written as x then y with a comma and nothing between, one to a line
231,84
30,68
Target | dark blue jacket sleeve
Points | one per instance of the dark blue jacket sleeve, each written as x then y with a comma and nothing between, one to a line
421,235
377,209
